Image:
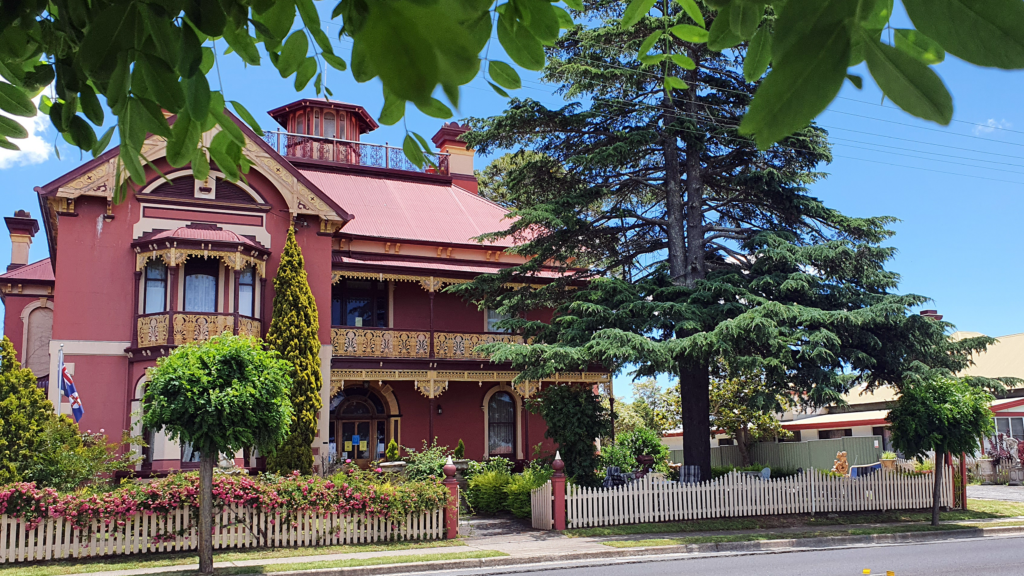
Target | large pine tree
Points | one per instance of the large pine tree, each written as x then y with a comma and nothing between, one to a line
293,333
697,248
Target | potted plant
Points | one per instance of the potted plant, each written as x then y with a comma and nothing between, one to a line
392,462
888,460
459,458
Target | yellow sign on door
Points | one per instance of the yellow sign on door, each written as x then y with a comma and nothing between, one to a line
348,446
362,445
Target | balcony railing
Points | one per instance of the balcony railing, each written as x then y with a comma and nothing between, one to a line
353,342
351,152
177,328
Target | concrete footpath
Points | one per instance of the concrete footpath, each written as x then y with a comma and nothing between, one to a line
539,547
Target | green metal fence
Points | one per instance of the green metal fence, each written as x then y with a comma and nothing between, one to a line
817,454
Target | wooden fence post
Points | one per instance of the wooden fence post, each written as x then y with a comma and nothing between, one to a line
558,491
451,511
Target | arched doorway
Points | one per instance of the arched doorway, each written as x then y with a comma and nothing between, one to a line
359,426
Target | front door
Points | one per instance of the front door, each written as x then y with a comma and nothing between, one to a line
356,443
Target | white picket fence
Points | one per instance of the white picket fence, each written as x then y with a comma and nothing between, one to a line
55,539
737,494
541,505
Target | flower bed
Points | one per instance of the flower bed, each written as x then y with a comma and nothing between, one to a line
351,492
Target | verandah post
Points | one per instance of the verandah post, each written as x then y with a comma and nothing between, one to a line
558,491
451,510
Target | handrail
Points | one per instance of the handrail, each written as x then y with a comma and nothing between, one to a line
351,152
372,342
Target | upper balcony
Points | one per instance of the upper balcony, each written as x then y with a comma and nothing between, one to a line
357,342
351,152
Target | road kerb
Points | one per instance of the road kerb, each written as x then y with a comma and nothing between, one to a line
619,553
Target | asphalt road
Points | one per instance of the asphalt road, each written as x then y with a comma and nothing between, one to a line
982,556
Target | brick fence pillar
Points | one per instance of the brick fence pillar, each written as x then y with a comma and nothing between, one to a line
558,491
451,511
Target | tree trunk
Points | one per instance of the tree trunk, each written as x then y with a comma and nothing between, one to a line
696,402
676,231
206,463
937,490
743,441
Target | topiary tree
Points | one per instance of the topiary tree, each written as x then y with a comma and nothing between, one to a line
460,450
293,333
391,453
24,412
575,418
219,396
945,414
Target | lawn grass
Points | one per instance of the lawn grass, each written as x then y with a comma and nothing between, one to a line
321,565
134,562
781,535
979,510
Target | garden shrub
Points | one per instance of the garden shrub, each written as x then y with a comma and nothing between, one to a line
575,416
718,471
494,463
460,450
486,491
645,442
518,490
618,455
66,459
427,462
351,492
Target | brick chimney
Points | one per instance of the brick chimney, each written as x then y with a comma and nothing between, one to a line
933,314
22,227
460,161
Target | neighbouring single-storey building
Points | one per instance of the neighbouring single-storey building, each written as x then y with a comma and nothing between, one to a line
179,260
863,412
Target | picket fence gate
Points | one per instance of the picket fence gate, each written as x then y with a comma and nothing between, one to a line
55,539
541,505
736,494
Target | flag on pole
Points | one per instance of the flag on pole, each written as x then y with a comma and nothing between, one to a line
67,387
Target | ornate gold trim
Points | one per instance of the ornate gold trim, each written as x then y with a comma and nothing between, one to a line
152,331
200,327
361,342
249,327
431,388
428,283
339,375
456,346
176,256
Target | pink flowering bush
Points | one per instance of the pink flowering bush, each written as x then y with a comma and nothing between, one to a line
351,492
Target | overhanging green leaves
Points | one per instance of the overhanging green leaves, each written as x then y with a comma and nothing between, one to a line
908,82
983,32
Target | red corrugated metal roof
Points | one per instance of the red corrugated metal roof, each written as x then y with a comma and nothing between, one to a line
204,234
431,267
411,210
41,270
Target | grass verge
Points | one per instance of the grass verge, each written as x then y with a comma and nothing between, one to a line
179,558
980,510
781,536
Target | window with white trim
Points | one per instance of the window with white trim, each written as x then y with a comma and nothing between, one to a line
493,317
1011,426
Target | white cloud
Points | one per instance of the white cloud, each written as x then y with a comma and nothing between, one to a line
991,126
34,149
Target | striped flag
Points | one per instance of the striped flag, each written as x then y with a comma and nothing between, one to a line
67,387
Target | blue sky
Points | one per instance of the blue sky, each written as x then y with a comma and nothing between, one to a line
958,190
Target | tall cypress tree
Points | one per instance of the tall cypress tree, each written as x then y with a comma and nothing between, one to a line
24,411
293,333
696,247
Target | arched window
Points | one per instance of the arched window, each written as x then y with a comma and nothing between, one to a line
501,425
300,123
316,123
201,284
246,291
330,129
156,287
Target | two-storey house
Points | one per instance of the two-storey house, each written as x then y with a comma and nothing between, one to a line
179,260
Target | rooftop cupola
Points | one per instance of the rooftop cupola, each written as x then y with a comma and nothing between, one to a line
324,118
460,157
